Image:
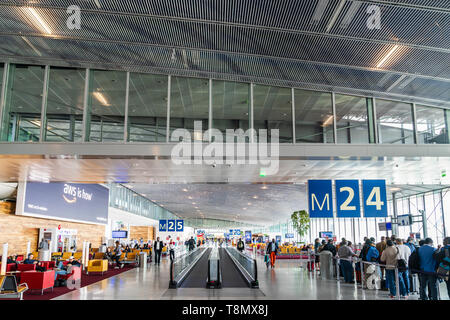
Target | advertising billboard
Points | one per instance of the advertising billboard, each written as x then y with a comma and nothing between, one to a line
64,201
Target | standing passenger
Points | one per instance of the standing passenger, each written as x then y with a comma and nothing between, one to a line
427,276
272,249
158,249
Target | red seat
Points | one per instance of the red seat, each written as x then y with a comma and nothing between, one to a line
10,267
47,264
26,267
38,280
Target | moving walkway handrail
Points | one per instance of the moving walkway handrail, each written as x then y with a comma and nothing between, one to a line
252,279
194,256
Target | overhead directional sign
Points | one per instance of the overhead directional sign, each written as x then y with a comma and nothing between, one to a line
320,200
347,199
374,196
404,220
171,225
162,225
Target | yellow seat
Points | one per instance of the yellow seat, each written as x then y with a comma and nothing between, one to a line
93,250
66,255
35,254
97,266
77,255
99,256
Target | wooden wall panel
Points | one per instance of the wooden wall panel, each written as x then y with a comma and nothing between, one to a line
18,230
145,232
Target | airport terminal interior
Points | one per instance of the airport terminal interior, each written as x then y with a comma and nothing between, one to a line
224,150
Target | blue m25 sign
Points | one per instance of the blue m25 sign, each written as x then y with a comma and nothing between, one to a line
171,225
320,198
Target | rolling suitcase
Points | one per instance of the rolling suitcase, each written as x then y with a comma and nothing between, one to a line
413,283
358,276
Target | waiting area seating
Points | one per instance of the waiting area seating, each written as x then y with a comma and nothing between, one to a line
9,288
38,280
97,266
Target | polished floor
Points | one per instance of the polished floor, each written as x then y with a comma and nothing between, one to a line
287,281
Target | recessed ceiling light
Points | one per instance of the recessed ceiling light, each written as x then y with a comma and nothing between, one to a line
190,197
193,203
255,197
185,190
264,187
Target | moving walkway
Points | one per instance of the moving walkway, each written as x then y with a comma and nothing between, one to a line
214,268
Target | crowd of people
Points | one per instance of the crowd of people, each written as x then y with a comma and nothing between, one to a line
431,264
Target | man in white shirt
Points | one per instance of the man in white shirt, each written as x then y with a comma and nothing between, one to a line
403,253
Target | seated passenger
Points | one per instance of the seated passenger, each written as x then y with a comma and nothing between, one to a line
12,259
63,269
30,260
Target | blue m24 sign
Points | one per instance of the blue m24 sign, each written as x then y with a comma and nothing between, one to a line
320,199
171,225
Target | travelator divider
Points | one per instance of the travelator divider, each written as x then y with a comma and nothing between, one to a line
180,267
214,274
246,265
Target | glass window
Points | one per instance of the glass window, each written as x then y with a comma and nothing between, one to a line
394,122
446,204
24,103
108,105
65,104
432,125
351,119
313,117
272,109
189,102
230,106
147,108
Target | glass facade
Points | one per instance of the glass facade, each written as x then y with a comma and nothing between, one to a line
189,102
352,120
147,108
107,108
432,125
313,117
394,122
65,105
113,106
230,107
272,109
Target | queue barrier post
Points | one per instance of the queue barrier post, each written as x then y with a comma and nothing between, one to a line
362,273
397,284
4,259
337,270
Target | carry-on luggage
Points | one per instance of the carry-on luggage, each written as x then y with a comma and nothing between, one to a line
267,260
413,283
358,276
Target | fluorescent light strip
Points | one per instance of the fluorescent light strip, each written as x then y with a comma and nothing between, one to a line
390,53
335,15
37,18
327,122
350,14
99,96
320,9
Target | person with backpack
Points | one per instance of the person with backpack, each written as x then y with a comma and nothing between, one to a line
442,257
427,275
390,257
402,264
240,245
